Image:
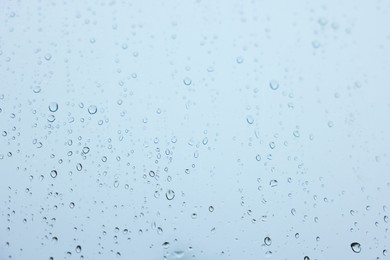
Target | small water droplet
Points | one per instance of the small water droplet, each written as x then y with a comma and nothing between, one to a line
53,107
239,60
92,109
293,211
250,119
170,194
48,56
51,118
86,150
273,183
53,174
187,81
274,85
355,246
178,254
78,249
267,241
37,89
165,245
315,44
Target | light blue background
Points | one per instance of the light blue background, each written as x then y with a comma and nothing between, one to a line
328,123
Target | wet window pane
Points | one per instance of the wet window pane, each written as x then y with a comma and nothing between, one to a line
194,129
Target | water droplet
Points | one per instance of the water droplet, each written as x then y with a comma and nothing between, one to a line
51,118
239,60
92,109
293,211
53,107
187,81
170,194
152,174
160,230
306,258
211,208
71,205
53,173
322,21
315,44
79,166
258,158
250,119
48,56
274,85
37,89
78,249
273,183
267,241
356,247
116,184
86,150
178,254
165,245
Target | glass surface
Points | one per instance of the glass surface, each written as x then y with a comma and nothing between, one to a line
194,129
